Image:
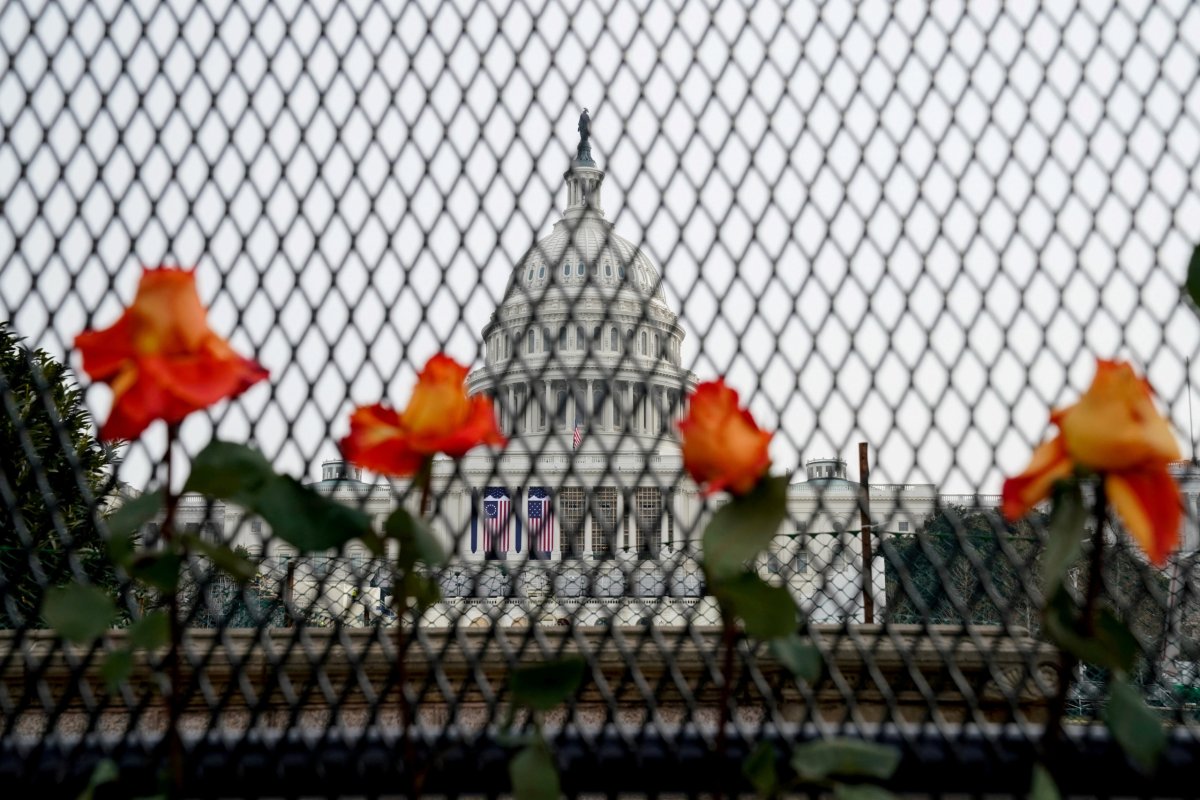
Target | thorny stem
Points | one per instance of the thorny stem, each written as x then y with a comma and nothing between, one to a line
1053,734
174,695
400,601
729,642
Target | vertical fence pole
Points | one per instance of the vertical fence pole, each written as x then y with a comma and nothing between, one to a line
864,510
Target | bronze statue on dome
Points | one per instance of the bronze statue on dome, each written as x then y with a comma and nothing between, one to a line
583,155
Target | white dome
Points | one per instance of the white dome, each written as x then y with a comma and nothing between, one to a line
585,250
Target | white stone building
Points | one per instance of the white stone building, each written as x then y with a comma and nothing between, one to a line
583,358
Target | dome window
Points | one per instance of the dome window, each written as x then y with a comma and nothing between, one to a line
529,278
607,268
620,271
579,269
542,271
566,269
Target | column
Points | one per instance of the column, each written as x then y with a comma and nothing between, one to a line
619,540
631,412
664,497
520,509
549,409
591,406
589,499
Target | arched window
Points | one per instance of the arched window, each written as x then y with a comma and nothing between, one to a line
542,271
642,343
621,271
562,338
545,340
579,269
657,346
530,276
595,269
566,269
612,340
607,268
616,405
580,342
596,337
531,344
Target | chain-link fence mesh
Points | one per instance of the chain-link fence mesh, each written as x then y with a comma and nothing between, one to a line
907,225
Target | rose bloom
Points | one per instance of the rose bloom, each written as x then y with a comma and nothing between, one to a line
1114,430
722,446
161,358
440,418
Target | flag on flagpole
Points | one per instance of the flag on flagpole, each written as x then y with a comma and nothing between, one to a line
496,507
541,522
578,439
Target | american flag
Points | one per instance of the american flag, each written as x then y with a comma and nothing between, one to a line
496,508
541,521
578,440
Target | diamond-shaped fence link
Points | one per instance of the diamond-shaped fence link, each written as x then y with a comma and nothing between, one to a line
906,225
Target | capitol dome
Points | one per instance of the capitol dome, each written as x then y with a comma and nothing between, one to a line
583,359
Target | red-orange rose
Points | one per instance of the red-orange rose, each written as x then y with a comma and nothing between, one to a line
440,418
1114,430
161,358
723,448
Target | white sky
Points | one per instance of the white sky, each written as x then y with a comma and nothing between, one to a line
907,224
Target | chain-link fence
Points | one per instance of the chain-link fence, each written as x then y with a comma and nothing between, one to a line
906,225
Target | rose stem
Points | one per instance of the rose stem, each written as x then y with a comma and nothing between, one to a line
1053,734
729,641
174,697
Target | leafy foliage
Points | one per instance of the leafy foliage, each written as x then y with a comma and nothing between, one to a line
58,476
931,572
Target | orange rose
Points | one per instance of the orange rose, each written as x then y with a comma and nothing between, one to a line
161,358
440,418
722,446
1115,430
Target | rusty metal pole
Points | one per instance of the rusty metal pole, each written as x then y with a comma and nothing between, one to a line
864,510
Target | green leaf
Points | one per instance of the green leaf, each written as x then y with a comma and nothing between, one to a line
534,774
1135,727
799,656
844,758
1111,644
305,519
127,520
237,566
151,631
1066,535
80,613
106,771
759,768
229,471
767,611
545,686
417,541
744,527
160,570
1193,277
116,669
861,791
422,589
1043,786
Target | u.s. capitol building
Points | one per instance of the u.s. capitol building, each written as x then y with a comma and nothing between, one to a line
586,515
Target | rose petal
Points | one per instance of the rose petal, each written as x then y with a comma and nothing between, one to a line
1148,503
1049,464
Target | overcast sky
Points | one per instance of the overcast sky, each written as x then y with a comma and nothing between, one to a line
908,225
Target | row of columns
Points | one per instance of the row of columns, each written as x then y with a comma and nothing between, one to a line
654,412
626,535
